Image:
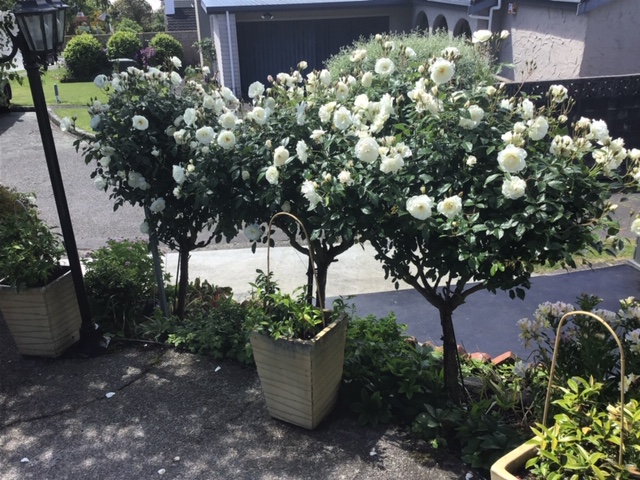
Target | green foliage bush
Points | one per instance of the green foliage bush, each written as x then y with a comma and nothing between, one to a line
120,284
123,44
85,58
29,251
214,325
166,47
129,25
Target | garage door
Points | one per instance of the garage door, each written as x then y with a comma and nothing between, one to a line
267,48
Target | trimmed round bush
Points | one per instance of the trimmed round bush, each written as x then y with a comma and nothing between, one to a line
128,25
85,58
123,44
165,47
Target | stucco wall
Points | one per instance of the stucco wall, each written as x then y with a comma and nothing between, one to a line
552,38
613,40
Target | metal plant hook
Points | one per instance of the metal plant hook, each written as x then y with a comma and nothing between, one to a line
622,376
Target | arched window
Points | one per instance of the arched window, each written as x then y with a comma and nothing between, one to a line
422,23
440,24
462,29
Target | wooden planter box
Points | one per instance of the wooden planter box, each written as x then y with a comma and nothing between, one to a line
43,321
513,462
300,378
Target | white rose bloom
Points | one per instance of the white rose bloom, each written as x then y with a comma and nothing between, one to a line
559,93
177,63
175,78
100,182
189,116
481,36
634,154
227,120
177,193
325,111
561,146
490,90
208,102
538,128
144,228
504,34
308,189
101,81
226,139
107,150
178,121
341,91
317,135
325,77
245,175
179,174
65,124
286,206
513,188
476,113
506,104
302,150
157,205
280,156
272,175
342,118
140,122
450,207
527,109
191,167
105,161
228,95
180,137
205,135
95,121
206,70
256,89
367,150
519,128
512,159
253,232
384,67
467,123
471,160
259,115
419,206
410,52
635,227
367,79
358,55
344,177
391,164
441,71
599,130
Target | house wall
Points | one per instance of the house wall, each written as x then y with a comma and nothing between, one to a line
452,14
552,38
226,54
613,40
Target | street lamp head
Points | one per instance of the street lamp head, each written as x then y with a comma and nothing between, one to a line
42,25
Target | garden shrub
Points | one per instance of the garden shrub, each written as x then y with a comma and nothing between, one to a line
85,58
121,286
129,25
165,47
123,44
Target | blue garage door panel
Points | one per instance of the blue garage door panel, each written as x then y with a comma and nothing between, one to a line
272,47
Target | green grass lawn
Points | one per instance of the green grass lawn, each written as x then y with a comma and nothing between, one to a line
77,93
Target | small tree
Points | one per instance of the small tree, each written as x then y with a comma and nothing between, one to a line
85,57
167,151
458,186
165,47
123,44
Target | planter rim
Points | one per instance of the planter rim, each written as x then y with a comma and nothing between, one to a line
502,468
342,317
63,269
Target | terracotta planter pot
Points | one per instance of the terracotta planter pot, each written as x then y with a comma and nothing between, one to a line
300,378
513,462
43,321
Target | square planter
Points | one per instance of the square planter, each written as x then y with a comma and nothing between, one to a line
513,462
300,378
43,321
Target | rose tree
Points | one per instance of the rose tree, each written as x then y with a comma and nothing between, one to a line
175,154
459,187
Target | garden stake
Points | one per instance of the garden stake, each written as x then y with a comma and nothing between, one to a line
622,377
311,260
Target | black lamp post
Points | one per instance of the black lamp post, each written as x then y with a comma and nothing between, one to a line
41,33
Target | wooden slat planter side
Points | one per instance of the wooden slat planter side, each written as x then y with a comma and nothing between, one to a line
43,321
300,378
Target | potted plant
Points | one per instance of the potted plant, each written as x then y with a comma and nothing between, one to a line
299,352
37,298
591,437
